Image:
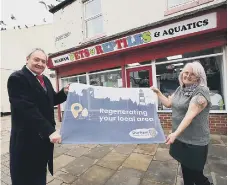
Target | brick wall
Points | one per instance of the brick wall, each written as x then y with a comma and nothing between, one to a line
218,122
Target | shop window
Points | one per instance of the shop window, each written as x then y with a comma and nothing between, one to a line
107,78
82,79
73,79
167,79
93,19
210,51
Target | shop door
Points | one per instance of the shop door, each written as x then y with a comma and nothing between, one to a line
139,77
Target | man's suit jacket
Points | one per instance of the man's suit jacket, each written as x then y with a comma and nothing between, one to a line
32,111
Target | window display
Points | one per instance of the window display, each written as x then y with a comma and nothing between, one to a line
106,78
167,78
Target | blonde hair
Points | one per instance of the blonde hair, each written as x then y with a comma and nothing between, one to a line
199,72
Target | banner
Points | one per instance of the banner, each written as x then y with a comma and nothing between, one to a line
105,115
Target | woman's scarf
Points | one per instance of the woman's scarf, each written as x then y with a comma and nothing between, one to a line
188,90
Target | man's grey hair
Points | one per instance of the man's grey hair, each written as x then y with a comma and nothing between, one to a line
198,70
34,50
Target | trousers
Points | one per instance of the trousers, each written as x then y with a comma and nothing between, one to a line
194,177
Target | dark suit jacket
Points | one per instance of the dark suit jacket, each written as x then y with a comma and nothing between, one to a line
32,110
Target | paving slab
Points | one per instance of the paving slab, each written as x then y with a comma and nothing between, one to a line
151,182
126,176
179,181
98,152
218,165
79,165
96,175
217,151
162,154
112,160
3,183
6,178
65,177
49,178
88,145
147,149
5,170
216,141
69,146
59,151
78,152
163,145
219,180
138,161
55,182
125,149
62,161
224,139
162,172
5,147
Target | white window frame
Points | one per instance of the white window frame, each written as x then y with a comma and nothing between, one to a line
88,19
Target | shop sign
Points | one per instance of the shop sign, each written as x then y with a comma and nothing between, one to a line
197,24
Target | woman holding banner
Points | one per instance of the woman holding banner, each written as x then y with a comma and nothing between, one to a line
190,135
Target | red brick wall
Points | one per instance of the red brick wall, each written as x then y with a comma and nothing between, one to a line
218,122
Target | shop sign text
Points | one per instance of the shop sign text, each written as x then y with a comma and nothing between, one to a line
181,28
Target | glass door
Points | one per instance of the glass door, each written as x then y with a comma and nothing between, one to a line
139,77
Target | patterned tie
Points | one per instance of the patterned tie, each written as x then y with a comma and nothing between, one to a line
41,80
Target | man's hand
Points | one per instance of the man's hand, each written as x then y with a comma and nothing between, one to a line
55,137
66,89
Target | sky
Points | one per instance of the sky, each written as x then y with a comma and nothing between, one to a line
27,12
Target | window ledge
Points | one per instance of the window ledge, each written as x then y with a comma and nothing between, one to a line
186,6
218,111
211,111
164,111
86,40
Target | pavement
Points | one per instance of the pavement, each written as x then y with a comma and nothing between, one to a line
132,164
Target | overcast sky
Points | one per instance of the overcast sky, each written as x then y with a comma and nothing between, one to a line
26,12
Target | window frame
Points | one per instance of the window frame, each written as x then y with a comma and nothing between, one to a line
181,4
184,6
85,20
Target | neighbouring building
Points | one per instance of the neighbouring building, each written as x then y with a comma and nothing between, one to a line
15,45
133,43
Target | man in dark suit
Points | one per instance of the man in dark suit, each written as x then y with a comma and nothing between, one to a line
33,133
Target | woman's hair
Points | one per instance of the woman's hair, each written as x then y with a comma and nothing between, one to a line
198,70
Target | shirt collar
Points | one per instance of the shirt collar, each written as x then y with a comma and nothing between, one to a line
31,71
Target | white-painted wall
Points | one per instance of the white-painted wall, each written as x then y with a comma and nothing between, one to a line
15,45
118,15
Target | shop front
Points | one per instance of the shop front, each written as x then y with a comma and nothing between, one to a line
154,56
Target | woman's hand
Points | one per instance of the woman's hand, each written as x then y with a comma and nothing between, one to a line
167,102
171,138
155,89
